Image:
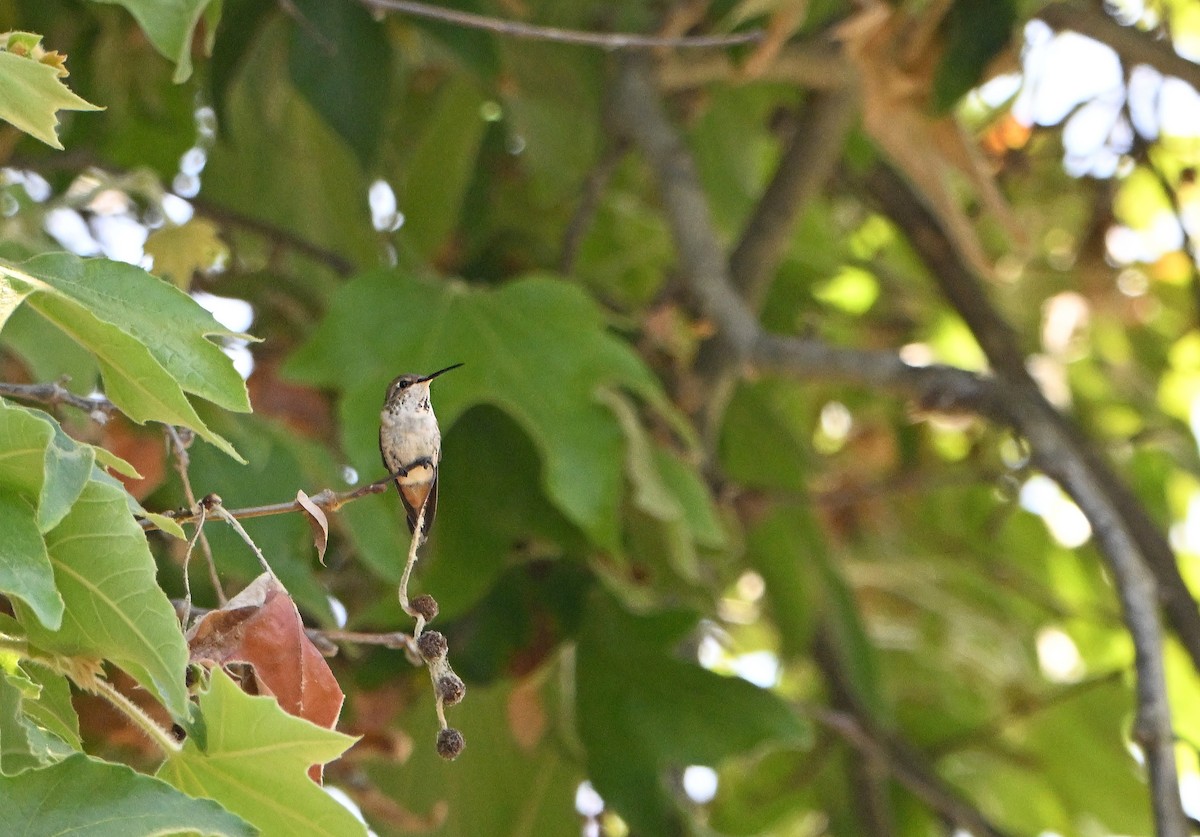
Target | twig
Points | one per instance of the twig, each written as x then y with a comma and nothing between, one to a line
99,409
392,639
334,261
187,560
327,499
408,568
182,461
213,502
908,768
517,29
1026,709
814,65
589,201
1189,240
804,167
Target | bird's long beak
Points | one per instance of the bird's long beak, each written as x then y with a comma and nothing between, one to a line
439,372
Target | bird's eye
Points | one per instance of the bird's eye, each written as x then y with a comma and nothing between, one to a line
404,384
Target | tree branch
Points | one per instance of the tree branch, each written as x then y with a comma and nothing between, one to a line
813,65
1139,557
1011,400
519,29
340,265
1132,45
327,499
804,168
54,394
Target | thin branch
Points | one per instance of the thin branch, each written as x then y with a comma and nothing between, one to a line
99,409
214,507
1132,45
337,263
186,617
179,446
517,29
327,500
813,65
589,201
408,568
1027,708
804,167
803,170
1172,194
908,768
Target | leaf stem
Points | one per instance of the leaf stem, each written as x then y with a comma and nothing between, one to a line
165,741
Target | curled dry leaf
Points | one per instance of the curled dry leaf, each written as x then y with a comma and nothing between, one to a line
316,518
261,627
896,55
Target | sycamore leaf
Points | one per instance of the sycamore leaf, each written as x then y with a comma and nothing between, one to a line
25,570
536,348
170,25
184,250
41,463
118,802
255,763
45,695
23,743
641,710
31,94
115,610
117,312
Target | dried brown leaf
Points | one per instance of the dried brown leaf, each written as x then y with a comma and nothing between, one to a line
315,515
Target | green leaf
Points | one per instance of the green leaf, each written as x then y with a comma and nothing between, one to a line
787,550
41,463
551,95
254,168
114,608
335,46
975,32
436,177
25,570
179,252
23,744
117,311
677,516
544,377
52,709
118,802
490,500
31,94
255,763
12,293
641,710
170,25
764,437
175,329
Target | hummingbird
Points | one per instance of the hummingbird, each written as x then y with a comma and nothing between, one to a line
411,445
